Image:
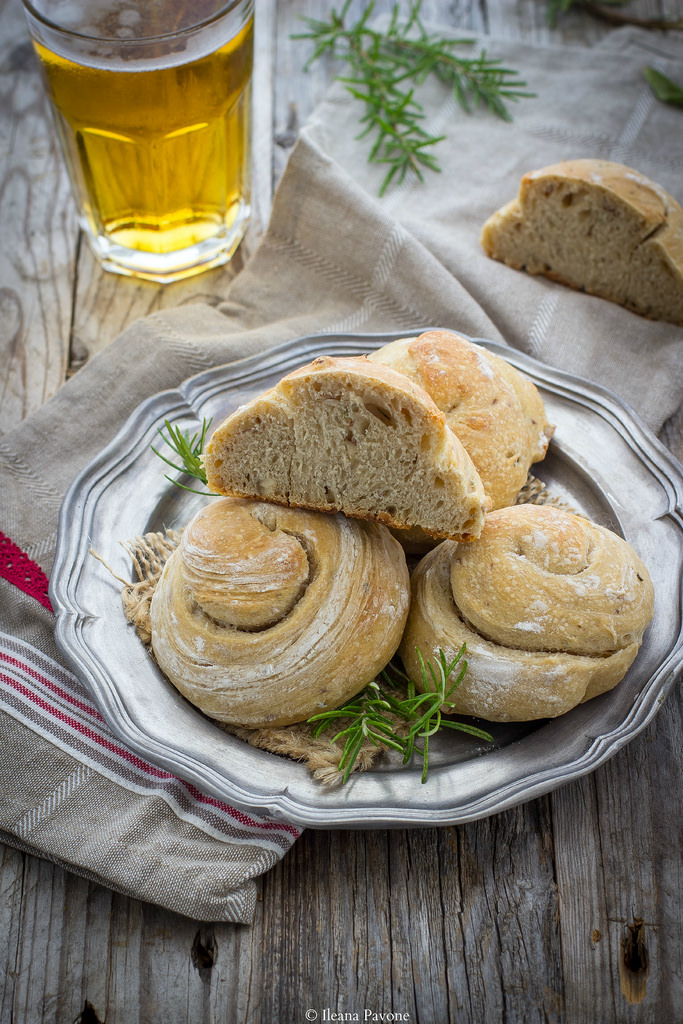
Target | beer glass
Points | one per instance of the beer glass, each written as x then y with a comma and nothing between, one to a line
151,100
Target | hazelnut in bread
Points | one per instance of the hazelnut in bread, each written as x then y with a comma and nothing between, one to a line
552,609
264,616
495,411
600,227
353,436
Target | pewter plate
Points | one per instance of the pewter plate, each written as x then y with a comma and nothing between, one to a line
602,461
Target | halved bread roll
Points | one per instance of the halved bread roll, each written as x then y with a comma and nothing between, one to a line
600,227
552,609
495,411
264,616
349,435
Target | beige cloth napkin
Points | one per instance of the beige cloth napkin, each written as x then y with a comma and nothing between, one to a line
414,256
335,259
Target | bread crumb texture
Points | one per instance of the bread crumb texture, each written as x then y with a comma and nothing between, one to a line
599,227
353,436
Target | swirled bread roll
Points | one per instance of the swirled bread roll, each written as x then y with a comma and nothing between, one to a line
552,609
597,226
264,616
495,411
348,435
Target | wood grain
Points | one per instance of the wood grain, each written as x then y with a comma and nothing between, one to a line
38,233
565,910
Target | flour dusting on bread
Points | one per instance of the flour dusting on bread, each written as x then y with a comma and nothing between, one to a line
552,609
495,411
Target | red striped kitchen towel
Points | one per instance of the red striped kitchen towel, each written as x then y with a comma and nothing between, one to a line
72,791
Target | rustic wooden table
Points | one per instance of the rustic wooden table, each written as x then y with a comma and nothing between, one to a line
565,909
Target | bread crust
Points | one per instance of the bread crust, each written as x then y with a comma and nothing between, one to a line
552,609
496,412
265,616
599,227
349,435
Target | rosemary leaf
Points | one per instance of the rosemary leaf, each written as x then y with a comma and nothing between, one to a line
663,88
402,723
189,451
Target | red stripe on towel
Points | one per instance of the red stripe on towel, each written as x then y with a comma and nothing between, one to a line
96,732
17,568
59,691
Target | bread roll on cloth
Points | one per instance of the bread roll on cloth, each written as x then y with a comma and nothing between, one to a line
348,435
600,227
552,609
495,411
264,616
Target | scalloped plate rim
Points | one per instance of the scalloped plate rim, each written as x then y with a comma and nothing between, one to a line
288,802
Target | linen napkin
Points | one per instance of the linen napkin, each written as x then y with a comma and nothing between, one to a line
335,258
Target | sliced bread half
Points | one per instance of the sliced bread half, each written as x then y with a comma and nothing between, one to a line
600,227
349,435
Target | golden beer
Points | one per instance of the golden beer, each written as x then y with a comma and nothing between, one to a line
157,147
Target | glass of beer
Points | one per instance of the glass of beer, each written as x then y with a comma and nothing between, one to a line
152,104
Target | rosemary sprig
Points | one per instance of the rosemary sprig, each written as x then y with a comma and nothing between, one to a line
382,66
404,724
189,451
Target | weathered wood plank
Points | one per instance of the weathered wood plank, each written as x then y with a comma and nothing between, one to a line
83,952
510,924
38,976
642,881
263,90
37,250
11,902
105,304
337,950
584,914
616,864
441,924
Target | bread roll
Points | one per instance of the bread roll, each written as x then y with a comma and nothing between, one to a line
264,616
552,609
600,227
496,412
353,436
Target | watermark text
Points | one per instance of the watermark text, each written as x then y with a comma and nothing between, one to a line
366,1015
